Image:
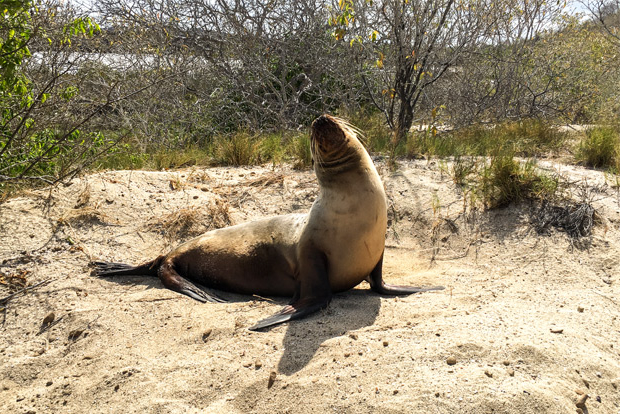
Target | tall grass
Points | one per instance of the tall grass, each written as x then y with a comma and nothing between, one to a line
185,157
377,135
298,149
524,138
236,149
484,159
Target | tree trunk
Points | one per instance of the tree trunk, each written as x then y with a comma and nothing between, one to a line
403,123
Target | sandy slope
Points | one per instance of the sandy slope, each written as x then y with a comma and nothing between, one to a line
531,320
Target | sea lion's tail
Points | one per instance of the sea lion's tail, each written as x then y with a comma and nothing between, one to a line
104,269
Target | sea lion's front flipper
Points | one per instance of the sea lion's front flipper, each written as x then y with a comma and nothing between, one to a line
173,281
297,310
378,285
313,295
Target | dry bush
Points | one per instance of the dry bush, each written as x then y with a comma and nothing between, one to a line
575,218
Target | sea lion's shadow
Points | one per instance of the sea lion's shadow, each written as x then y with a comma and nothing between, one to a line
347,312
154,283
149,283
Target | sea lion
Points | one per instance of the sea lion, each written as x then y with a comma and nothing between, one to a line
333,248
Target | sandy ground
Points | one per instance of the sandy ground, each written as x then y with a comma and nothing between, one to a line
531,321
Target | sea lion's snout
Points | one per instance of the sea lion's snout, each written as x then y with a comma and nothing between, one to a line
322,122
327,133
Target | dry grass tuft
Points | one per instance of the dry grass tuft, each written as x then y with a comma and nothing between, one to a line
267,180
177,182
182,221
189,222
220,214
238,149
84,197
82,215
199,176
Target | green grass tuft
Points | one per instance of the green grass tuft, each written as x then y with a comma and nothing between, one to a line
298,149
179,158
600,148
504,180
271,148
461,169
237,149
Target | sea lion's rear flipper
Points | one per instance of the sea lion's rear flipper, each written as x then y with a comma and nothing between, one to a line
378,285
107,269
314,292
173,281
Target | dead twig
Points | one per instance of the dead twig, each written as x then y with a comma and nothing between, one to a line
6,299
264,298
606,297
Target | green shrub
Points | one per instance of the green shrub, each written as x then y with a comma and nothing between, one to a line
599,148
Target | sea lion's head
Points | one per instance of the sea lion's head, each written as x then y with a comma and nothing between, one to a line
334,144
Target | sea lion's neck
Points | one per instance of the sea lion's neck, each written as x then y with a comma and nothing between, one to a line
351,160
354,175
